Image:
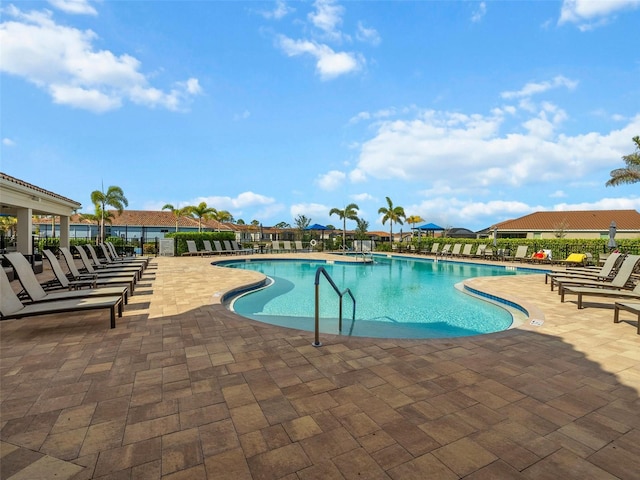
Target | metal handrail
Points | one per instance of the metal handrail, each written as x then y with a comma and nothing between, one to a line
322,270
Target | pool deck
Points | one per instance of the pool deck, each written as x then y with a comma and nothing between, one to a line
184,389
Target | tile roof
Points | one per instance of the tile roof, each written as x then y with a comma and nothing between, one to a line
598,220
30,186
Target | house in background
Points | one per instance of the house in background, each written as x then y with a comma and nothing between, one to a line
584,224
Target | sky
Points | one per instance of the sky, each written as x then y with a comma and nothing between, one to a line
465,113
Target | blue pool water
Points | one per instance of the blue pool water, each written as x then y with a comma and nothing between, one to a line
396,298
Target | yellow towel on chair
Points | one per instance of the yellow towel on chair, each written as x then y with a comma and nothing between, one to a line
576,258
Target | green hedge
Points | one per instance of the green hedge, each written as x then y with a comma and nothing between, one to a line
181,238
560,247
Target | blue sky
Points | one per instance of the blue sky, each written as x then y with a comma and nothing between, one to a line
466,113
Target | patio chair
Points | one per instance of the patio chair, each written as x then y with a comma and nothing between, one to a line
104,272
434,249
218,248
11,306
299,247
110,259
632,307
607,271
479,251
36,293
193,250
229,248
619,281
275,246
286,246
208,247
103,266
238,249
115,256
76,275
520,255
456,250
445,250
600,292
466,250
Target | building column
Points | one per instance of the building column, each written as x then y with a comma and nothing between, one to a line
24,228
64,231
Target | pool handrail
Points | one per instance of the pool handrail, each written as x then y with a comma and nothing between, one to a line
321,270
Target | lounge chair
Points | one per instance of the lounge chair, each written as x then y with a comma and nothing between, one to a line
607,271
479,251
466,250
76,275
36,293
434,249
519,256
445,250
286,246
193,250
219,249
575,259
601,292
456,250
633,307
238,249
619,281
110,259
104,272
12,307
115,256
208,247
104,266
299,247
229,248
275,246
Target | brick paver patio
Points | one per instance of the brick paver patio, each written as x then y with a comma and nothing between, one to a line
184,389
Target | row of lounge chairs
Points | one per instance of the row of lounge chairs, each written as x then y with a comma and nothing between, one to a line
231,247
615,279
109,280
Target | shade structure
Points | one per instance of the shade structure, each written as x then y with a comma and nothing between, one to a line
316,226
612,236
429,227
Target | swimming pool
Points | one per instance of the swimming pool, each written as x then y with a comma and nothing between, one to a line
396,297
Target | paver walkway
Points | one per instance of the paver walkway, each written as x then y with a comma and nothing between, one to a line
184,389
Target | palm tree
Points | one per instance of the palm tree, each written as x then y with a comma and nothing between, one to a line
630,173
361,229
200,212
349,212
393,214
114,197
177,212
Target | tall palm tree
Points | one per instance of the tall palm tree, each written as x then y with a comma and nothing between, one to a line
177,212
200,212
113,197
350,212
393,214
630,173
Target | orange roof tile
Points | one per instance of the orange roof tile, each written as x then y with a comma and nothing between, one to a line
593,220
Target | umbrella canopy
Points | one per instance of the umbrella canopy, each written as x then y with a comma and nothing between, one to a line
429,227
612,235
316,226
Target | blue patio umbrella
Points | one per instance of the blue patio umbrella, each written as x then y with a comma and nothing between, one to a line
429,227
317,226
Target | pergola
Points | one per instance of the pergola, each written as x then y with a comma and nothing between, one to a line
22,200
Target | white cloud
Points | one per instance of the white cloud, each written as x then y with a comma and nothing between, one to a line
484,151
583,11
63,61
327,17
279,11
368,35
362,197
329,64
479,13
317,212
331,180
241,116
7,142
558,194
535,88
243,200
76,7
